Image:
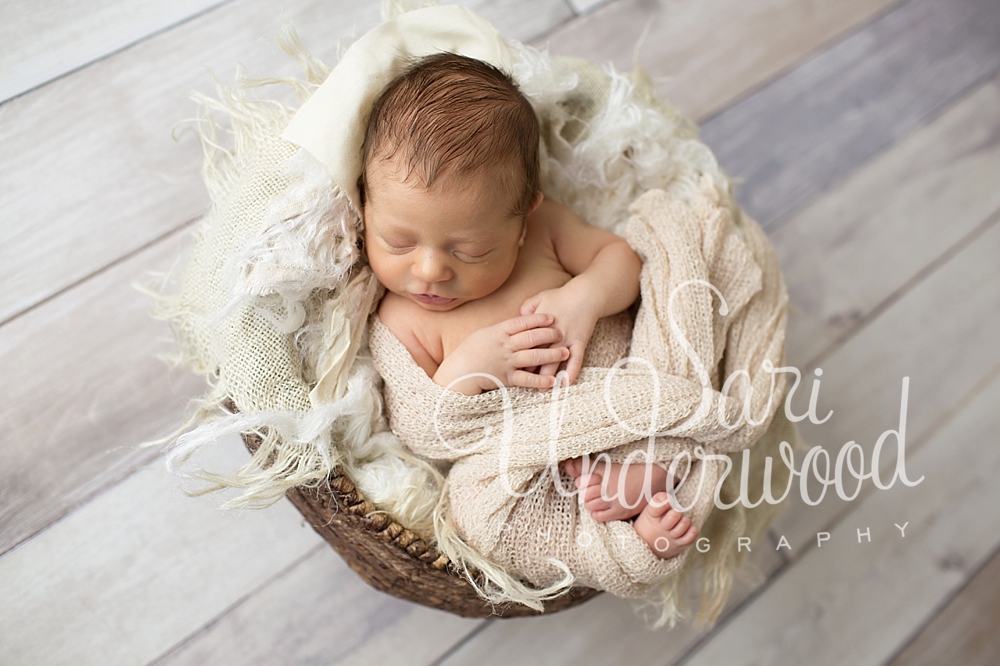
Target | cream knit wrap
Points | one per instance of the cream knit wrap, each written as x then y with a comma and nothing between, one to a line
684,248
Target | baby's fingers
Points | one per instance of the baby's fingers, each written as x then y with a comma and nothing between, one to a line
530,305
575,362
545,356
531,380
550,369
526,323
534,337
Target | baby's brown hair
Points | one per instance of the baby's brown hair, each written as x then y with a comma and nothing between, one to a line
448,111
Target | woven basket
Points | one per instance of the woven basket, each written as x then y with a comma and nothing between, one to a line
394,560
388,556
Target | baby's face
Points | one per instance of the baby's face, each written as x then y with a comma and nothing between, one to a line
443,246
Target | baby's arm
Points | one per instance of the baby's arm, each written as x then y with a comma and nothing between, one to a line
500,353
605,282
503,350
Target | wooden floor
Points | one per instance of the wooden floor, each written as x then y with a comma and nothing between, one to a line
865,135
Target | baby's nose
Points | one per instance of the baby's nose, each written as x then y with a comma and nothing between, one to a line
432,267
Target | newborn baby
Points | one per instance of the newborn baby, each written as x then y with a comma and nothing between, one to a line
486,278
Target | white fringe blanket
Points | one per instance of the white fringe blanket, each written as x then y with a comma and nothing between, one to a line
713,306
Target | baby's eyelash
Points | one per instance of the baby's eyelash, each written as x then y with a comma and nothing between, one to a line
471,258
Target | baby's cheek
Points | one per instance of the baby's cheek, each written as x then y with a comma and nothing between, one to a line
383,270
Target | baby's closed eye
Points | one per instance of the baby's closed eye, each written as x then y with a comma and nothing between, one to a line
471,257
397,245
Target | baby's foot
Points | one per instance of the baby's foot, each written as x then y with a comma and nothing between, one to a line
615,505
574,467
665,531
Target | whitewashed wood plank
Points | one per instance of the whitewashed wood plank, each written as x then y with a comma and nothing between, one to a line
90,170
703,55
854,603
320,612
584,6
141,566
811,128
851,249
602,631
80,386
941,334
523,20
966,631
44,39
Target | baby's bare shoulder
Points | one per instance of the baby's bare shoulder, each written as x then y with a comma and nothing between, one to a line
546,223
403,318
576,243
550,215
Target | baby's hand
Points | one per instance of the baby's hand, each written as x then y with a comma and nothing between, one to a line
503,351
575,318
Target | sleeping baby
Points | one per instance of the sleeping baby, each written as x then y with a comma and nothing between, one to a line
486,279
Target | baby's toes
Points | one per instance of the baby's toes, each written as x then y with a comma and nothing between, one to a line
688,537
682,526
593,500
574,467
670,520
597,505
589,483
585,481
659,505
604,514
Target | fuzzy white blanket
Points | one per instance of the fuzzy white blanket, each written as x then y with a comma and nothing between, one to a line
713,304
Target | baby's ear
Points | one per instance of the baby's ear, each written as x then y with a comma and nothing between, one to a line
536,202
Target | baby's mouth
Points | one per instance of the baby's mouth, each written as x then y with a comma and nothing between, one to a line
430,299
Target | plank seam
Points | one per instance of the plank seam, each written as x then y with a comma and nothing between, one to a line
116,51
945,602
537,40
239,602
929,118
904,288
803,58
732,613
164,237
458,645
80,503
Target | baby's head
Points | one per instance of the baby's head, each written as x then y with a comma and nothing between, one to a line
450,173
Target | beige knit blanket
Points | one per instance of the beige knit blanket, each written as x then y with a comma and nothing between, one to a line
505,444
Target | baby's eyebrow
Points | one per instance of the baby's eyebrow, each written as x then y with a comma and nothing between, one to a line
470,239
